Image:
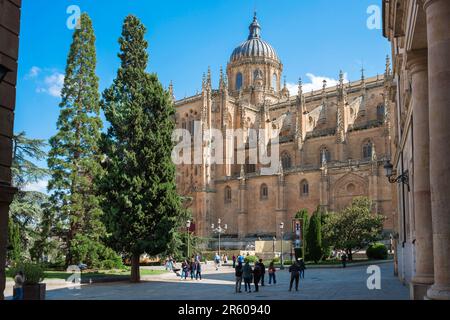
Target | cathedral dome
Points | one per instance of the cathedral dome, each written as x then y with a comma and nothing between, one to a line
254,46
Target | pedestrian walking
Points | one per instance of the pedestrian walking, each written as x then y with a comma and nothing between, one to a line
239,270
19,279
295,275
198,270
234,261
217,261
302,267
263,271
257,272
193,269
225,258
247,275
272,270
185,270
344,260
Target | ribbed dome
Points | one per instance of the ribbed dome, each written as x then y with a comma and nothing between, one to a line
254,46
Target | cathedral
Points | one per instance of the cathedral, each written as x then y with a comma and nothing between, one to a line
331,143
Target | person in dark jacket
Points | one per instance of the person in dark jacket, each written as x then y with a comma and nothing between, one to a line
239,270
257,272
263,271
344,260
272,271
198,270
295,275
247,275
302,266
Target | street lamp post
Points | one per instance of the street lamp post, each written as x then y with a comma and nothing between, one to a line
273,246
219,230
188,227
282,238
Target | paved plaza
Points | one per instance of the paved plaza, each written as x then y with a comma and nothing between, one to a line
319,284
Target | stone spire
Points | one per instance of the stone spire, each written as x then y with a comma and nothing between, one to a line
323,112
300,88
208,78
172,96
387,72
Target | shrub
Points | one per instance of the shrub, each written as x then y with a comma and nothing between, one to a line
377,251
251,259
276,260
34,273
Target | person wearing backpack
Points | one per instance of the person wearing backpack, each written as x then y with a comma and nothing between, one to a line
257,272
247,275
239,270
272,271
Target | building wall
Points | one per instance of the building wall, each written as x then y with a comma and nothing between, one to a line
9,51
346,176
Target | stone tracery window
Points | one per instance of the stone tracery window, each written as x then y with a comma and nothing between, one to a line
274,81
227,194
286,160
264,192
367,150
304,188
324,154
380,112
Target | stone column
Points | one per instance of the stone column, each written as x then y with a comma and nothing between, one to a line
423,279
438,36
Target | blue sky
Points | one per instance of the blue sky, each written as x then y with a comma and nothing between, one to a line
314,39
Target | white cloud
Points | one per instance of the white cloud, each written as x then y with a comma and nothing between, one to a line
39,186
315,83
52,85
33,73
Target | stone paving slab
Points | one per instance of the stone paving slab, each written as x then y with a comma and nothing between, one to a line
320,284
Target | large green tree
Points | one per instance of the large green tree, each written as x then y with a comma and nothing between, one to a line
353,228
74,158
142,208
26,209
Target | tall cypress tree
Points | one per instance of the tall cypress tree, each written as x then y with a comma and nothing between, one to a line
74,156
142,208
314,238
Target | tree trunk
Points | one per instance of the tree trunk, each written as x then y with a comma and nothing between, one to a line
135,274
350,254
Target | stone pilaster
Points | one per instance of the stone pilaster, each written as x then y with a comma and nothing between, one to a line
242,208
438,37
423,279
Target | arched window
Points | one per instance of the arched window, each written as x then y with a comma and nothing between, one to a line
324,155
380,112
264,192
274,81
239,81
304,188
286,161
367,150
227,194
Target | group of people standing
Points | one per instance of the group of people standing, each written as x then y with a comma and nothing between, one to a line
189,267
245,272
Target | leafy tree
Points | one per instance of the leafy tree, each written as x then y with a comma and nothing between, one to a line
142,208
25,210
314,238
354,228
74,159
25,152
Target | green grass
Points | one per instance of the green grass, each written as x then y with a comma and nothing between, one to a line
99,274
